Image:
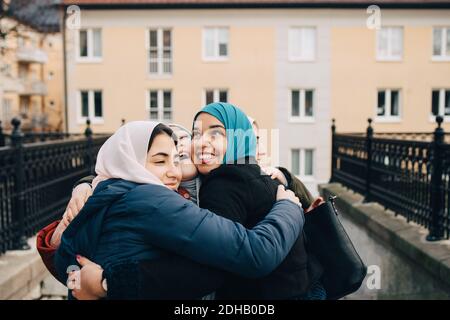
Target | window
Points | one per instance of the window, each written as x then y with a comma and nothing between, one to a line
302,162
215,43
160,51
440,103
302,44
215,95
6,69
441,43
89,45
388,105
160,105
302,105
6,114
90,106
390,43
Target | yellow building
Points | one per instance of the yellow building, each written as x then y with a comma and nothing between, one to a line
31,75
292,65
398,75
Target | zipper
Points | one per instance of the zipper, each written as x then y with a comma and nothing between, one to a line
332,199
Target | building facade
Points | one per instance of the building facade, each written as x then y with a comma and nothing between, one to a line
292,68
31,73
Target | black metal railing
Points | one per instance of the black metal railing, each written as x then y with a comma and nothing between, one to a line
404,174
36,180
32,137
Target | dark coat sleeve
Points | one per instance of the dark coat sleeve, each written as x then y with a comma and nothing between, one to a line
177,225
298,188
169,277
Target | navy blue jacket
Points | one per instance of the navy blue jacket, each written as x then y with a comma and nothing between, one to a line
124,220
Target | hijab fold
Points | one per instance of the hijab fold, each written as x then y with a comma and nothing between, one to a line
124,154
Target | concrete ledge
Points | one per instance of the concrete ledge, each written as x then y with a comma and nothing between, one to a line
21,272
407,238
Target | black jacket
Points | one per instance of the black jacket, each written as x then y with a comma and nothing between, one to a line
243,193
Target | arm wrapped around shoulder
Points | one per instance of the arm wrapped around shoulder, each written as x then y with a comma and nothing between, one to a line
175,224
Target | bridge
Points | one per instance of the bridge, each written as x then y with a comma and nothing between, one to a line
393,199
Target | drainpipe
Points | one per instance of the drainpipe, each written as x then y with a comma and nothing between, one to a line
66,113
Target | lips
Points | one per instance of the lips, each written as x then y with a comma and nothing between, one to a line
206,157
171,184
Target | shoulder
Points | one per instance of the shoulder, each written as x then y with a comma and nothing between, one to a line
236,173
152,196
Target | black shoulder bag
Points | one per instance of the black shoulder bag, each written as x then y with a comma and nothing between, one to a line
326,238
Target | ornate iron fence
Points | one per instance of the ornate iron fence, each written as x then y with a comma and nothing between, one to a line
36,180
410,177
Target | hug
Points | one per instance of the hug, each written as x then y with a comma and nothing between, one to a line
174,214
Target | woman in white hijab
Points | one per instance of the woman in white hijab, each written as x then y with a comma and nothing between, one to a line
134,213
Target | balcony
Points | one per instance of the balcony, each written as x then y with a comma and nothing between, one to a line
9,84
31,55
32,88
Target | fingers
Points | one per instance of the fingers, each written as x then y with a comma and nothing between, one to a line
79,203
68,216
83,261
73,280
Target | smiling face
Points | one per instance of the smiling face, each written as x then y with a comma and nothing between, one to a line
209,143
188,169
163,161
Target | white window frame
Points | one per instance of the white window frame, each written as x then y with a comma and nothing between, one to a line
387,100
442,56
389,57
91,107
441,111
6,114
90,43
216,56
302,175
301,58
216,94
160,52
160,102
302,96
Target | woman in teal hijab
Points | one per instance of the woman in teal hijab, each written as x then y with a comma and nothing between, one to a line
240,137
224,149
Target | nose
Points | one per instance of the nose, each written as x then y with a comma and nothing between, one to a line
172,170
204,141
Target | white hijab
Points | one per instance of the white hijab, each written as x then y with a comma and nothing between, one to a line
124,154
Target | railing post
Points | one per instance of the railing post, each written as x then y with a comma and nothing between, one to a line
333,150
437,197
89,157
369,138
20,239
2,136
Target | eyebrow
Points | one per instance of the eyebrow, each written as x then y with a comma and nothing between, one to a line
216,126
210,127
160,154
165,154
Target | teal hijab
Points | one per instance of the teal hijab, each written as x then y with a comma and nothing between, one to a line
241,140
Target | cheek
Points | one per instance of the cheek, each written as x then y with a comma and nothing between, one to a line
220,146
155,170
